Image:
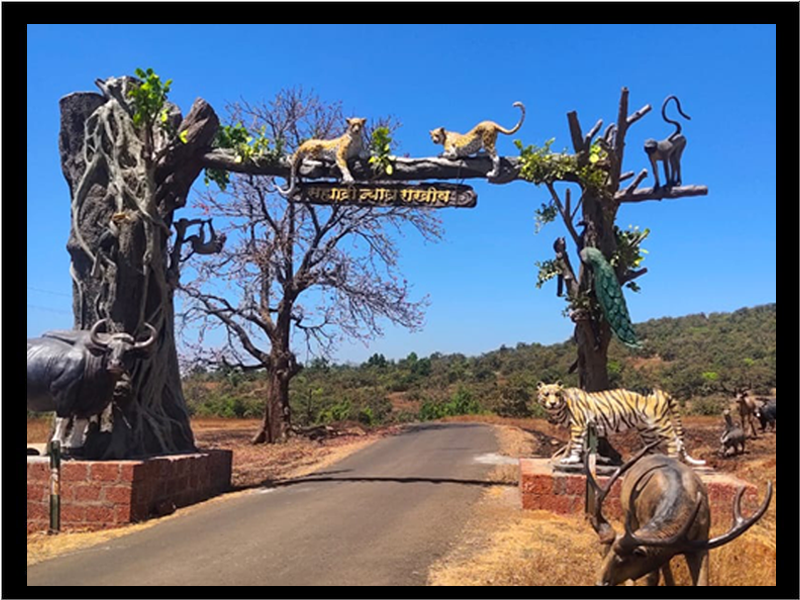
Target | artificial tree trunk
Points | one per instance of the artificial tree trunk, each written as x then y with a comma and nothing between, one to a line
122,205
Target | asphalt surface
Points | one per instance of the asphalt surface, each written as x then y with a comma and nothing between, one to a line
381,516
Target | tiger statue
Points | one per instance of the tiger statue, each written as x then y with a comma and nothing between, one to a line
483,135
655,416
349,145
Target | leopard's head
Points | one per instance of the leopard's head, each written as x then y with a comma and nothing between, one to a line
551,395
438,135
355,126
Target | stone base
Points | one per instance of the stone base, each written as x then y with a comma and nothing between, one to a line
105,494
565,493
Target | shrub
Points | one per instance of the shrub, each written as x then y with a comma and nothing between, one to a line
707,406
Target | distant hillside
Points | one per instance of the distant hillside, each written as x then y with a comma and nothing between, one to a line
688,356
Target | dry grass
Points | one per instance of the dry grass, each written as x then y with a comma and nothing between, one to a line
39,430
524,548
505,545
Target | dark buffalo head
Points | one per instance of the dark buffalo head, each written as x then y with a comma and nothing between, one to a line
121,348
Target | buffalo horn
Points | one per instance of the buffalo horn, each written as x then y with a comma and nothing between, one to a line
150,341
94,335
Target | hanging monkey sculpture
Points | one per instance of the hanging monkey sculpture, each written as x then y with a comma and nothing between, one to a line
199,243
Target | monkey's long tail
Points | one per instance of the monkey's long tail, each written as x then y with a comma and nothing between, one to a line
289,191
516,127
670,121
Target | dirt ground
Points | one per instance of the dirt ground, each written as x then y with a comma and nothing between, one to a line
505,545
502,544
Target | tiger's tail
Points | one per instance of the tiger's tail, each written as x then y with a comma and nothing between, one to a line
677,425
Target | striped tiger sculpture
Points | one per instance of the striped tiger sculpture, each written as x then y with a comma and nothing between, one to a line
655,416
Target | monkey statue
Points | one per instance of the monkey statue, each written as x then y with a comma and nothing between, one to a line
200,245
668,151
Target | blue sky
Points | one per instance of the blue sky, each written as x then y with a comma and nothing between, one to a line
706,254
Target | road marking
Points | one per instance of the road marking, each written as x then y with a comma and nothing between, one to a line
492,458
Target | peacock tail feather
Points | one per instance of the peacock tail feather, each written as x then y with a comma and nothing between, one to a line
609,295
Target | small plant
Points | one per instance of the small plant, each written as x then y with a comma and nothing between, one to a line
548,269
246,147
149,99
629,253
708,406
545,214
541,165
366,416
380,147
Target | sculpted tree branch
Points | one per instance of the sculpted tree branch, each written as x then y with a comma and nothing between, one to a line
663,193
406,169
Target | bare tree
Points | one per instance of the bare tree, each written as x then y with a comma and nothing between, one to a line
291,269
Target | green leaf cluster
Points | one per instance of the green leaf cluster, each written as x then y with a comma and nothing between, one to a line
462,402
548,269
247,147
380,148
149,99
539,164
545,214
629,253
542,165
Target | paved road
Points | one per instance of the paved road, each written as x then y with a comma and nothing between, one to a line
378,517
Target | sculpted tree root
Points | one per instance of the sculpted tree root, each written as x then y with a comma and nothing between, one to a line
123,198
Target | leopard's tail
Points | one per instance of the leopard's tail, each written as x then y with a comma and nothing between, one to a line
518,125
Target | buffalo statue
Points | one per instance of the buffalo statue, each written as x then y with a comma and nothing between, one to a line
74,373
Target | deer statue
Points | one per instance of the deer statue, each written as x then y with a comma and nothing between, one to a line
747,410
666,514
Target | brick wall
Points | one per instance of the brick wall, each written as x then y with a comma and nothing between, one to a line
99,495
565,494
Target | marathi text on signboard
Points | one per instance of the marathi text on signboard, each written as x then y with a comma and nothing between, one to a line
431,195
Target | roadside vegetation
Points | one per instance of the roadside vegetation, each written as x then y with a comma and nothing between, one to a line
690,357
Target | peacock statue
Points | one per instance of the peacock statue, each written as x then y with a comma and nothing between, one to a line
609,295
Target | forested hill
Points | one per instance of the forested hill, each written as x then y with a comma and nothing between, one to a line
688,356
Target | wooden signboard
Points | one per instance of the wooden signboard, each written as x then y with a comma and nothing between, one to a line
430,195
